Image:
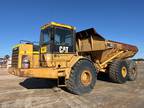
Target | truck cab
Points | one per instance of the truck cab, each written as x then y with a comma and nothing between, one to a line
56,40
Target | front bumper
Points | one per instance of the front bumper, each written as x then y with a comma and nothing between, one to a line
38,72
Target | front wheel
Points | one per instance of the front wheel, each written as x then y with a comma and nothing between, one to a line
82,78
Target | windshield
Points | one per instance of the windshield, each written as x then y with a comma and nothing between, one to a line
63,37
46,36
63,40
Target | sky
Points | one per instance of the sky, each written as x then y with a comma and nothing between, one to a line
118,20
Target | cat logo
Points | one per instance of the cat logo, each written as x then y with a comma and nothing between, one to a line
63,49
43,49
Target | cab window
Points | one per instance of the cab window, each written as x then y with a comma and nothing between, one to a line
63,37
46,36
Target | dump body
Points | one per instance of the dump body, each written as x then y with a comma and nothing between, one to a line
90,44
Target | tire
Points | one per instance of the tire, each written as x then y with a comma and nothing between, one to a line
132,70
76,83
118,71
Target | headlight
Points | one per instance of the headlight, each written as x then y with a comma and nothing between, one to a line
25,61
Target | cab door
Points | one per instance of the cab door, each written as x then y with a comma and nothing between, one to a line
63,41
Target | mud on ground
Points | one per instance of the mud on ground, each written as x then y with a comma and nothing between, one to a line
16,92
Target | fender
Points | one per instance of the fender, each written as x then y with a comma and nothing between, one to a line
72,62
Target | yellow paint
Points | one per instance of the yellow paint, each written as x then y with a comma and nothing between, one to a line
28,52
37,72
43,49
111,58
35,52
57,24
124,71
36,63
17,45
86,77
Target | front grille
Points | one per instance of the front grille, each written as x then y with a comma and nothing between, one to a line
15,54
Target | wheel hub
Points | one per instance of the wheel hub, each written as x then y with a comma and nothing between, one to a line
124,71
86,78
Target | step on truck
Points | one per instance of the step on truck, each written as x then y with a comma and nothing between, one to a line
73,58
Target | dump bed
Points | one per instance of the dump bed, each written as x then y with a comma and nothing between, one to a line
90,43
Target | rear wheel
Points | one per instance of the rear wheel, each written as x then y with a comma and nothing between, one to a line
132,70
82,78
118,71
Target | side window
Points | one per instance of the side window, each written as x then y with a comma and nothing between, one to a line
46,36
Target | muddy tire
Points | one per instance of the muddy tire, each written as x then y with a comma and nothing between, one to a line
132,70
118,71
82,78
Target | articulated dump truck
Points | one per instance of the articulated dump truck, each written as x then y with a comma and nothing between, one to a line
73,58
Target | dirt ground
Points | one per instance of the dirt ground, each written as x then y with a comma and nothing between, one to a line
16,92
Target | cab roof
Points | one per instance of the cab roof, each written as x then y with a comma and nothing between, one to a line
58,25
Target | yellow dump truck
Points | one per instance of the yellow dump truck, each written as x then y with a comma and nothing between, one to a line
73,58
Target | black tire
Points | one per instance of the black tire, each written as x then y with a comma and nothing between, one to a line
74,84
115,71
132,70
